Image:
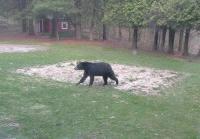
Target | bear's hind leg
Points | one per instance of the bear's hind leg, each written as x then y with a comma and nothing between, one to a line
114,78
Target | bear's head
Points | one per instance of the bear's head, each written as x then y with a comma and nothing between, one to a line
80,66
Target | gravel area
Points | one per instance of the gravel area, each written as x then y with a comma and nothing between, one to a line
132,79
16,48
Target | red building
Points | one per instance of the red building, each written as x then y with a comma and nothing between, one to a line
64,27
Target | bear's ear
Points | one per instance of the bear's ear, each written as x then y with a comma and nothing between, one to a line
78,62
83,64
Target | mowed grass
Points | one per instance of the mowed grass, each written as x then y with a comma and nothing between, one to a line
35,108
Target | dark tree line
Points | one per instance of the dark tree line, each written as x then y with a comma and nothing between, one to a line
167,17
163,15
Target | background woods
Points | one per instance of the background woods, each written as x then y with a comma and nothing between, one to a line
160,25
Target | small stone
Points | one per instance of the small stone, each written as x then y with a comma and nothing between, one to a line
112,117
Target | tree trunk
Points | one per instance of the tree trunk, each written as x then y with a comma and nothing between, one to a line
104,27
198,54
92,21
54,27
186,42
31,27
129,34
91,32
164,32
57,34
156,35
24,25
22,4
180,40
78,30
104,36
135,38
171,40
159,38
120,32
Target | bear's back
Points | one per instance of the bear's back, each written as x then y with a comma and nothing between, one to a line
98,69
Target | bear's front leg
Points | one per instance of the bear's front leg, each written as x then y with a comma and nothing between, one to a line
91,80
83,78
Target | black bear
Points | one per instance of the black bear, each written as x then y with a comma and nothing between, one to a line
96,69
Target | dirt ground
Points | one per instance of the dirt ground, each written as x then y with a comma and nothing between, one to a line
18,48
132,79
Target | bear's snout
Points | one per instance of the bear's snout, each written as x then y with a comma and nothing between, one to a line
76,68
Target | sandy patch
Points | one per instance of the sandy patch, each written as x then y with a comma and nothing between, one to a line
16,48
137,80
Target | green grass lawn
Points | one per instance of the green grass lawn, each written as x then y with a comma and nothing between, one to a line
35,108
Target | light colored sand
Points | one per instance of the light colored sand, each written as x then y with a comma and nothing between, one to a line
16,48
137,80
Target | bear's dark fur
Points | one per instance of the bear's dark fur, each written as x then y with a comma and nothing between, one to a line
96,69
